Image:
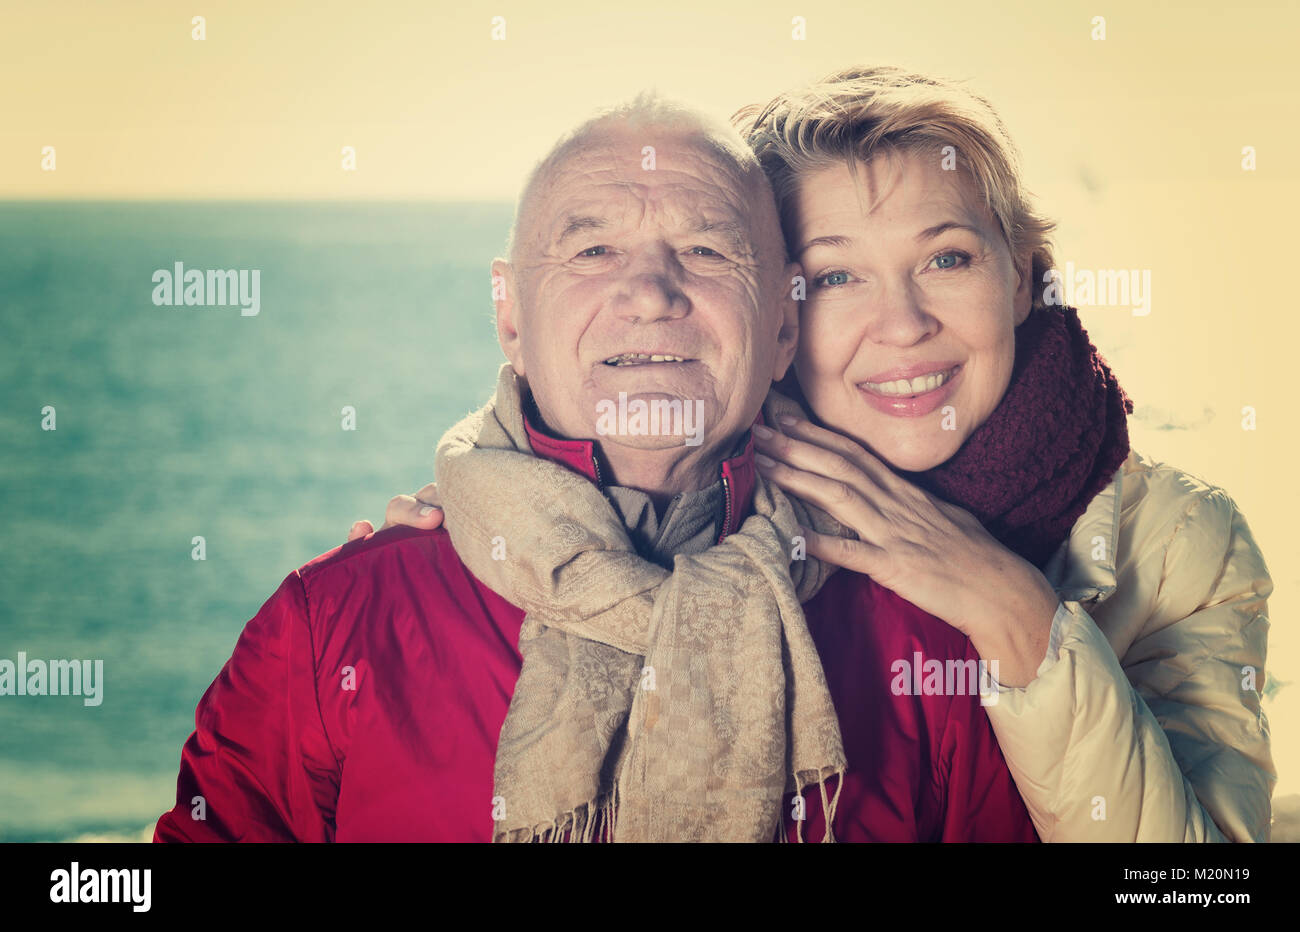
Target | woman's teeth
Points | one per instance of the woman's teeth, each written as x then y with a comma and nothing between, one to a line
636,359
916,386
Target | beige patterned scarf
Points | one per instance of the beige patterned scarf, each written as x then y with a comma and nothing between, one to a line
658,705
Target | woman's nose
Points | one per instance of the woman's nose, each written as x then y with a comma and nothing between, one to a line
897,317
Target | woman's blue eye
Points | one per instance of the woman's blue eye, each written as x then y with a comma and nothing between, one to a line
949,260
833,278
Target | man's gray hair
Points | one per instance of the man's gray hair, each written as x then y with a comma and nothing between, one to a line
648,110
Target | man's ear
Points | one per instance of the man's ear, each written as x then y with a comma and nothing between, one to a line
505,298
787,338
1024,299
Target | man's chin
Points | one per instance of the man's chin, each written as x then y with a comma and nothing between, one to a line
652,419
648,443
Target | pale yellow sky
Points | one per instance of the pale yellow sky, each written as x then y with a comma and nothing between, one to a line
1133,142
435,108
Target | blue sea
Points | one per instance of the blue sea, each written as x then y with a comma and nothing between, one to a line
176,422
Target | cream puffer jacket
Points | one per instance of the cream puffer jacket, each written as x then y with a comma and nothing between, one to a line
1144,722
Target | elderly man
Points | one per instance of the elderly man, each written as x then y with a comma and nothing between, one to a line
615,637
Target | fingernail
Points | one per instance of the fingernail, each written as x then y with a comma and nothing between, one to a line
788,420
428,510
763,433
763,460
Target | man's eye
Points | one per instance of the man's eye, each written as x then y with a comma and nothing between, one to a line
593,251
951,260
831,279
705,251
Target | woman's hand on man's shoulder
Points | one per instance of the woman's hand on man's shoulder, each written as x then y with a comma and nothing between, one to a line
422,510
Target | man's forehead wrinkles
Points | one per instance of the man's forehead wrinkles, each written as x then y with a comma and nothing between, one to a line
647,184
614,199
704,218
607,190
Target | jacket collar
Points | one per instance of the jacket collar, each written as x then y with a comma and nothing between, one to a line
737,473
1083,569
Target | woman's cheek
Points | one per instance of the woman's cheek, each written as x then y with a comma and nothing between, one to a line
834,353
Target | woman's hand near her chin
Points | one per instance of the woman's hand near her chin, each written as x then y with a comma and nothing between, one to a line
932,553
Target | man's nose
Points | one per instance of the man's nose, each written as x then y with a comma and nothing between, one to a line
651,288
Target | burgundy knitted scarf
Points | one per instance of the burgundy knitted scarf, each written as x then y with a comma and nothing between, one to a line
1050,446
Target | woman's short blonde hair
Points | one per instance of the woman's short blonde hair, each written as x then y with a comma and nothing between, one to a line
859,113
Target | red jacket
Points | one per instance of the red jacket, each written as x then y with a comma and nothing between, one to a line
364,700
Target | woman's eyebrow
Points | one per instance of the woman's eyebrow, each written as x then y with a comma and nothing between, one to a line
835,242
840,242
932,232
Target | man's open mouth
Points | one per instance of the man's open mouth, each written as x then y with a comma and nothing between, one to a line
643,359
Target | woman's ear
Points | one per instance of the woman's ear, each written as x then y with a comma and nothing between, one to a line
787,337
505,298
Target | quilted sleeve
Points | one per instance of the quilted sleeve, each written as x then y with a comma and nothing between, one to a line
1168,743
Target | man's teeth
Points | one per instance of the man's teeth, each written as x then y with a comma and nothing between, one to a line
632,359
922,383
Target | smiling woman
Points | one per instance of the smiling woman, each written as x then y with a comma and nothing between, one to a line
929,241
977,442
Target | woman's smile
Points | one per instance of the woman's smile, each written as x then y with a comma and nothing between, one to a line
911,398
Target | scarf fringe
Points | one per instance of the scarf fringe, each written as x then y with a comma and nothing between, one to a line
829,807
598,818
580,825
